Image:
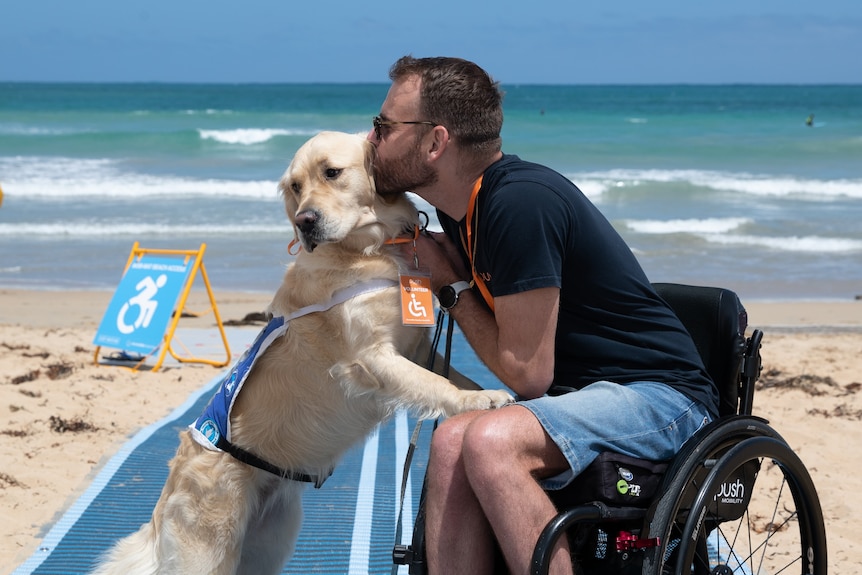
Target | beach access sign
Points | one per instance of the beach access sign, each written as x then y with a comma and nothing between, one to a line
142,306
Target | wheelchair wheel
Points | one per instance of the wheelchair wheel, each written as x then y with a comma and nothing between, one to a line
750,508
685,476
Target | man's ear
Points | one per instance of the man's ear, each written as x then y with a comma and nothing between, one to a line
439,142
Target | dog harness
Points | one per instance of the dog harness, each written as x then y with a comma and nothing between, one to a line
212,428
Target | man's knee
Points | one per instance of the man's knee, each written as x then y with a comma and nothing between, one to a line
447,441
487,439
510,438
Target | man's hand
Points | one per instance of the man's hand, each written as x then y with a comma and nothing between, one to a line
438,254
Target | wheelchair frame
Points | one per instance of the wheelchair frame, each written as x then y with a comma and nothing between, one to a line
705,517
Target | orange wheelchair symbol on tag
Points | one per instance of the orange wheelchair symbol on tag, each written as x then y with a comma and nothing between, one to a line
417,301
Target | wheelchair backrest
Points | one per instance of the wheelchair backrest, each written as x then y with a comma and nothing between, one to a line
716,320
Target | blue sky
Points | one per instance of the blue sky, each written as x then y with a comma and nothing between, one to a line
530,41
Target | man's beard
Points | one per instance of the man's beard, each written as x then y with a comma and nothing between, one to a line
406,173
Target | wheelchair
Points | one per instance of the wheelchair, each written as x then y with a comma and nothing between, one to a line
735,499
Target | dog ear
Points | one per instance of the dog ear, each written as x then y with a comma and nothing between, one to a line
288,196
370,153
282,184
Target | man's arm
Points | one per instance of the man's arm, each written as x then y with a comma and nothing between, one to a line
517,341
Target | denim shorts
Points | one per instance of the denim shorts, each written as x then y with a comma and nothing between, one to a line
646,420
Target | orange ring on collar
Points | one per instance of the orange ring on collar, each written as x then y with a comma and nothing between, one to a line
293,243
395,241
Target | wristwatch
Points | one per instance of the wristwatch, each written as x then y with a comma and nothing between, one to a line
448,295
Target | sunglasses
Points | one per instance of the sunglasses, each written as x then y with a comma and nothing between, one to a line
379,123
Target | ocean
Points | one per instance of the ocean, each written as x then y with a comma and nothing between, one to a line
710,185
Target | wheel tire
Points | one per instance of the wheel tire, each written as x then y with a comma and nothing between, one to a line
742,503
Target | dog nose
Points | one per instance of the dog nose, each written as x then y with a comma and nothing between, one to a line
306,220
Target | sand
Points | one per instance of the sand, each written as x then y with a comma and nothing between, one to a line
62,417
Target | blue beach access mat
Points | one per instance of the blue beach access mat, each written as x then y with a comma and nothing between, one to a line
349,525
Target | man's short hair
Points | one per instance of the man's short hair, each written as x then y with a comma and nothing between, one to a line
459,95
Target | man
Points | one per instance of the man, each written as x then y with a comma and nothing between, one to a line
558,303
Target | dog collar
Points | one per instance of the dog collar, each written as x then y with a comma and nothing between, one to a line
294,247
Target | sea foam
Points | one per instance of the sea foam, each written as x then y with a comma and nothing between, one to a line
721,231
113,228
250,136
697,226
69,178
739,182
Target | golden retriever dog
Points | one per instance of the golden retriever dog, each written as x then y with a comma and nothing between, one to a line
342,365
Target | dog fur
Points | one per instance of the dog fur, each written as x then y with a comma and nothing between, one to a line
315,392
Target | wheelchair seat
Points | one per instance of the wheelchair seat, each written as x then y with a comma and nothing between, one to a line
698,519
716,321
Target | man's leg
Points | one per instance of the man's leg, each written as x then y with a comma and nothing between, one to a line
458,538
505,452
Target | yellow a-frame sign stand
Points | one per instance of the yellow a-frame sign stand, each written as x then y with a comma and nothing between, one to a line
147,306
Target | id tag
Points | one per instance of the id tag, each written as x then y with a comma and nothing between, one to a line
417,299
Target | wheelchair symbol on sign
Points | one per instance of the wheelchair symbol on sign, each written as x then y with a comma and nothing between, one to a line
415,307
147,289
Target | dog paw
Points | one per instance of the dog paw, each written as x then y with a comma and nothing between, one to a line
486,399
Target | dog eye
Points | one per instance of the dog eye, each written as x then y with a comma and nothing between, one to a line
332,173
295,187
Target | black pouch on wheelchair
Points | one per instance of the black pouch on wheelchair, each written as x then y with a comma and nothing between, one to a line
615,479
731,497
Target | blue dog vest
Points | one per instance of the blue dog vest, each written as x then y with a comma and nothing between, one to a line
212,428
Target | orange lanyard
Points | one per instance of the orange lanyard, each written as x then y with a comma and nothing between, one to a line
470,247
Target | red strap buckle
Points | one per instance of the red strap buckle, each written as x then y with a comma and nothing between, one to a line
628,541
